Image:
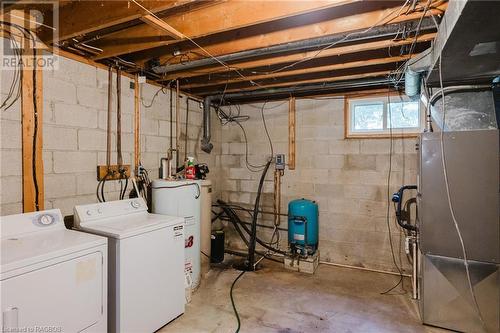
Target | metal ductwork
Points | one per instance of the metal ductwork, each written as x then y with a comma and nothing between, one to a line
387,31
468,42
206,145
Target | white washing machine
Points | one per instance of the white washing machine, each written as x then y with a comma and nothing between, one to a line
51,279
182,198
146,263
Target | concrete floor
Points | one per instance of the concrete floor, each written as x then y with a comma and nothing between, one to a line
274,300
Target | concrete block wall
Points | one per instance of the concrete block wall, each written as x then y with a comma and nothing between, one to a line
347,177
74,135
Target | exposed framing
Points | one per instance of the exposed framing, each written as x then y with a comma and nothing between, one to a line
32,129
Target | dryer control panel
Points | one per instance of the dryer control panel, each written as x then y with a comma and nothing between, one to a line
97,211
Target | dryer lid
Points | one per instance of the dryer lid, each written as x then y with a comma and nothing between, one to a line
31,238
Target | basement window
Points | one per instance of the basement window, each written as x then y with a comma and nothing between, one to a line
379,116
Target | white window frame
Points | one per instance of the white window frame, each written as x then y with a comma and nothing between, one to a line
352,101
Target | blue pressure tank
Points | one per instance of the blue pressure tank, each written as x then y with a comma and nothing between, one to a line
303,230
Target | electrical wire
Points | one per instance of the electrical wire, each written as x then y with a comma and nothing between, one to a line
400,281
450,203
15,87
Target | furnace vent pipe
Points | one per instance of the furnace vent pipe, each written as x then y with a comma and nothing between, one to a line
206,145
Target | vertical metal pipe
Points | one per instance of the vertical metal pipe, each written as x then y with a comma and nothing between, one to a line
119,117
137,124
414,273
177,123
291,134
110,105
171,119
186,140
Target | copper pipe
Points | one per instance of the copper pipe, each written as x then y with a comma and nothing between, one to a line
110,105
119,118
277,197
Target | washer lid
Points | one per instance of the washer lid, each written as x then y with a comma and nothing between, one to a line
130,225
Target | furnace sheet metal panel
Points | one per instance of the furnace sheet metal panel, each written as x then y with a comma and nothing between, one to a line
473,174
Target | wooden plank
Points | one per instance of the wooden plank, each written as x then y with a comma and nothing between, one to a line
291,133
32,127
82,17
353,64
339,25
137,124
309,81
280,59
162,26
217,18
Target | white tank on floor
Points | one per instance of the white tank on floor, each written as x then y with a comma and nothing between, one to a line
182,198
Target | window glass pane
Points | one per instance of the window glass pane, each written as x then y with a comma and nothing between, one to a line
403,115
368,117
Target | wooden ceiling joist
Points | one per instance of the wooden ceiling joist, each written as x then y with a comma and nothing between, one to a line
256,46
309,81
344,24
82,17
162,26
353,64
220,17
283,59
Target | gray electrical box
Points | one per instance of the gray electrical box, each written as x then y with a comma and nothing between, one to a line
280,162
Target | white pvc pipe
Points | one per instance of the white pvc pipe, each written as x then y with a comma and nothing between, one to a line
362,268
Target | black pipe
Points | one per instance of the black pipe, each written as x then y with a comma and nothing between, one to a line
387,31
398,198
242,254
236,220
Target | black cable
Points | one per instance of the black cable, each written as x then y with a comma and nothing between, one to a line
265,128
234,218
102,187
388,199
232,301
35,132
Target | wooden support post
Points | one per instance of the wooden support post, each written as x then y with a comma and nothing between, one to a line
137,124
291,134
31,122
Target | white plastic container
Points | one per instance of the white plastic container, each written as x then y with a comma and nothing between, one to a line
182,198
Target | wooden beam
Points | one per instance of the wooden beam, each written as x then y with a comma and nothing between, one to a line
32,127
162,26
280,59
82,17
291,133
220,17
137,124
352,64
309,81
339,25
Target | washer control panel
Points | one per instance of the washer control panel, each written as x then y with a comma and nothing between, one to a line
109,209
